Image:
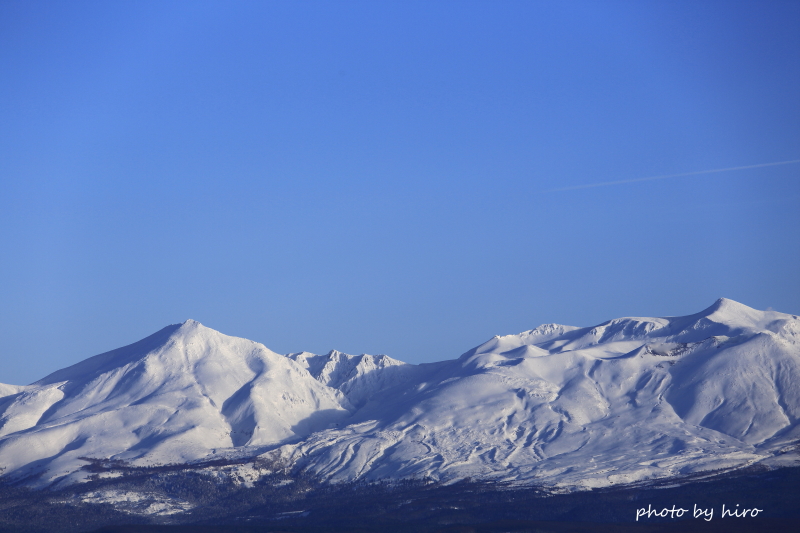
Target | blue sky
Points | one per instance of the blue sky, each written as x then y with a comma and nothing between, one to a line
379,176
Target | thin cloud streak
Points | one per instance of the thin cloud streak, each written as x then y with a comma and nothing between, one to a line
651,178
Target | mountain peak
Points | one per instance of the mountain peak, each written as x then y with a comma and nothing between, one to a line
533,402
727,304
192,325
727,310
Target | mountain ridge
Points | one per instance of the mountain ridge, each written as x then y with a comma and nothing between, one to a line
626,401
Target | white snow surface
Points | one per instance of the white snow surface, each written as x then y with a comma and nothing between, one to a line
139,503
170,398
8,390
627,401
359,377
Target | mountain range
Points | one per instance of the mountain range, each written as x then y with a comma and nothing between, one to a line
631,400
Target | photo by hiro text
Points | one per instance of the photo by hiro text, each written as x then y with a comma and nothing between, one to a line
697,512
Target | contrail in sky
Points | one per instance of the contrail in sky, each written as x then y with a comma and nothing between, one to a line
620,182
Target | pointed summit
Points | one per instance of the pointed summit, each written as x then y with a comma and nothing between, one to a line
732,313
192,324
726,305
175,396
159,342
191,327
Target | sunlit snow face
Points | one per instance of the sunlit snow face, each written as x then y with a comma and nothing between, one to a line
630,399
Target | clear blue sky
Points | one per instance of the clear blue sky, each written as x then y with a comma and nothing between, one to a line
377,176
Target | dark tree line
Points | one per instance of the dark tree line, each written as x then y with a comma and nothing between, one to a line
297,502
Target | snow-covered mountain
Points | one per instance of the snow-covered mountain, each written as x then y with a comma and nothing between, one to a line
358,377
173,397
629,400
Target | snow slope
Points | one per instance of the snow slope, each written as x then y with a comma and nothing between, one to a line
8,390
629,400
170,398
358,377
